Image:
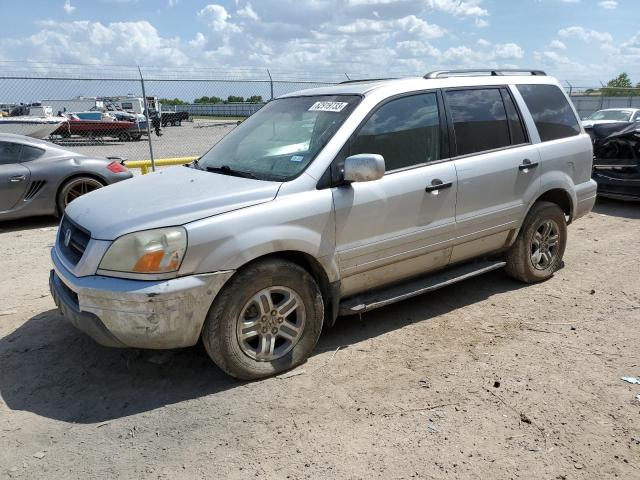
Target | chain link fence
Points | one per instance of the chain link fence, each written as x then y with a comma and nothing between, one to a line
140,113
136,114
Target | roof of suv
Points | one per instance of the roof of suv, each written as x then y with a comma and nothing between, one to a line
420,83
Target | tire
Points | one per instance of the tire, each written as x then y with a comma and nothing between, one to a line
222,330
62,197
537,252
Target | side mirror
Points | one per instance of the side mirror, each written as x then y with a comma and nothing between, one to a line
364,167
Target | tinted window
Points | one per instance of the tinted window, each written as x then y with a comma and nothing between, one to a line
405,131
9,153
30,153
515,123
479,120
551,111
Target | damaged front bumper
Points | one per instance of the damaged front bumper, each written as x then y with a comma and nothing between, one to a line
119,312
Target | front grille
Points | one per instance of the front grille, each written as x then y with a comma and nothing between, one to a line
78,240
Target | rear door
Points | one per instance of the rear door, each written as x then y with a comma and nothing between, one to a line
14,177
403,224
496,165
564,149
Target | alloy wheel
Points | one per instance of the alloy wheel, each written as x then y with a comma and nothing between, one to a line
271,323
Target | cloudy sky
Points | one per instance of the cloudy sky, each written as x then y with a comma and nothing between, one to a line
583,41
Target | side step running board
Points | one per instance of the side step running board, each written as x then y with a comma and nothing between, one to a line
379,298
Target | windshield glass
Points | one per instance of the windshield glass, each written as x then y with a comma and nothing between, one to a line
617,115
281,139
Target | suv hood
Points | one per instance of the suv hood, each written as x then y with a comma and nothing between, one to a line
174,196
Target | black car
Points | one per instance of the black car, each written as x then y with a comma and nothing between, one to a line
616,164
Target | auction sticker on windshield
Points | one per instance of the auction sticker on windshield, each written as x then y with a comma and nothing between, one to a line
328,106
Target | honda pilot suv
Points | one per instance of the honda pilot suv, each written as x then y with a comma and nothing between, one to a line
331,201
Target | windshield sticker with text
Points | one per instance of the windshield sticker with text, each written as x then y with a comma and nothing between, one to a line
296,158
328,106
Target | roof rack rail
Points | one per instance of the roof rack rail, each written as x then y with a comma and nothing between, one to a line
494,72
362,80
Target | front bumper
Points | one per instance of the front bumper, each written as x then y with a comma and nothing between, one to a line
118,312
616,185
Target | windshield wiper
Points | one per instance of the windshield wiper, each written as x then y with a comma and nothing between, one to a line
227,170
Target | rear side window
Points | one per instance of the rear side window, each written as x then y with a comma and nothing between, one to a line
30,153
479,120
405,131
550,110
9,153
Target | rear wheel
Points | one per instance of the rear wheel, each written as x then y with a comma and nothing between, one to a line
266,320
537,252
74,188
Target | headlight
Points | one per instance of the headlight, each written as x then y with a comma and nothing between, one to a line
150,251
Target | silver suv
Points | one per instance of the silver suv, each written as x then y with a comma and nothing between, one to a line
327,202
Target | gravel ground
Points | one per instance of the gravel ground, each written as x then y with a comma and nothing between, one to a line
190,139
486,379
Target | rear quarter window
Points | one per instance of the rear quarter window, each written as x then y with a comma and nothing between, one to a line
551,112
29,153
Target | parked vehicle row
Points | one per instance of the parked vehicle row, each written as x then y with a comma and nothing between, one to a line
328,201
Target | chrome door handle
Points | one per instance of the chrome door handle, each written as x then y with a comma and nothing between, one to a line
18,178
437,184
527,164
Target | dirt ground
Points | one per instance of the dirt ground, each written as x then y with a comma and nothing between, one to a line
487,379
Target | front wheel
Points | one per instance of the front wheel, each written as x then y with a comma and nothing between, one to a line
266,320
538,250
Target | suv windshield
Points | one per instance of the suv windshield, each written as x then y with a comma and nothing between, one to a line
281,139
618,115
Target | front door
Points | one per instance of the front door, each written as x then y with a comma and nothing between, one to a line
14,177
403,224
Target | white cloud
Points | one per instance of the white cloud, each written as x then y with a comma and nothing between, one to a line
409,24
416,49
172,3
199,41
489,55
608,4
481,22
558,45
67,7
88,42
415,25
248,12
217,17
586,35
459,8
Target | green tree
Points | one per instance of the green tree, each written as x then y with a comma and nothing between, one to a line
254,99
234,99
621,86
208,100
172,101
